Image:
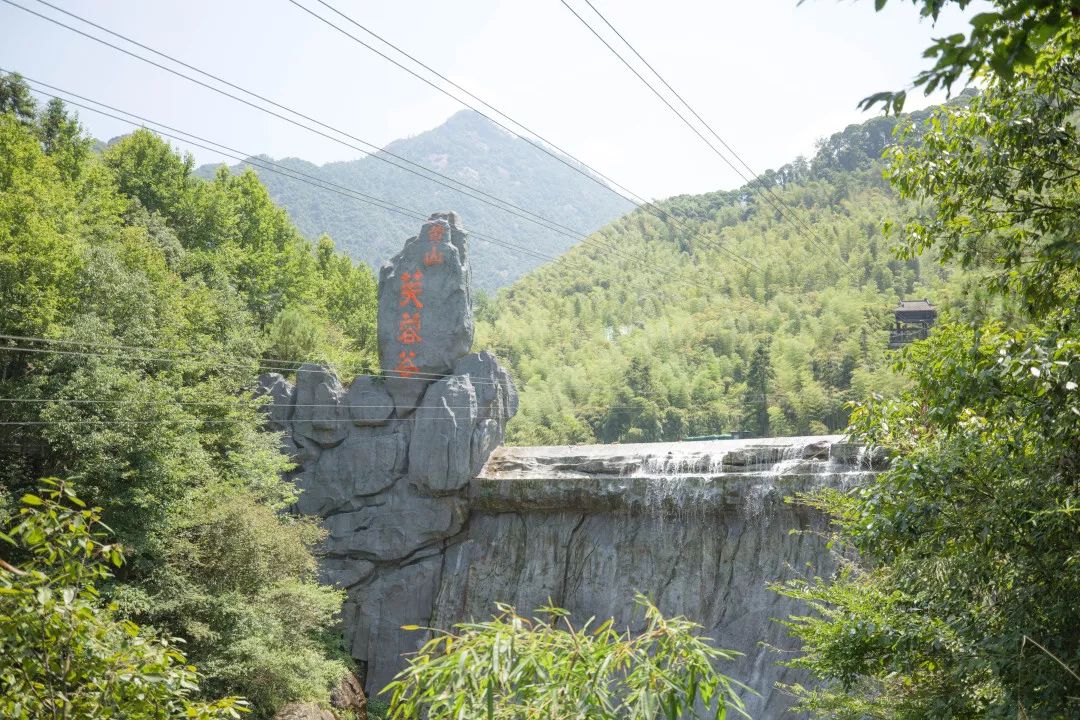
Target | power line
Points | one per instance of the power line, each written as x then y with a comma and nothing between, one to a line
689,107
768,197
252,403
551,225
594,175
194,354
268,165
271,166
369,148
258,363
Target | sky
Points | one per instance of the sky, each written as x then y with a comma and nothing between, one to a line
770,76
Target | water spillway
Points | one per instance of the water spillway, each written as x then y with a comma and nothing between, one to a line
702,528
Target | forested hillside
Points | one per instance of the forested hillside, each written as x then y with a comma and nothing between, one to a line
138,305
467,148
668,335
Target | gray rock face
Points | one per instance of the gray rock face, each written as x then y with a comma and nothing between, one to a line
395,528
702,528
281,398
460,421
425,318
368,401
318,412
389,480
429,523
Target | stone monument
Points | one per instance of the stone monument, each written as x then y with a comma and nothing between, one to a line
386,462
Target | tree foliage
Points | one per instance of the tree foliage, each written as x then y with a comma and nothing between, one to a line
513,668
64,652
957,594
1002,42
140,303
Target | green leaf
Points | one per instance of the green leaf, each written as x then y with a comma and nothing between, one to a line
982,20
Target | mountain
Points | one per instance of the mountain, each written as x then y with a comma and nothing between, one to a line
469,148
673,336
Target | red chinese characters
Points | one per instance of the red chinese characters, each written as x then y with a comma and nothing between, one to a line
406,367
411,288
433,257
435,236
409,329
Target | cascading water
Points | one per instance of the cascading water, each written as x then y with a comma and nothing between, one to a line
702,528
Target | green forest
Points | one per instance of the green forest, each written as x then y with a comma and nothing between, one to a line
653,330
138,304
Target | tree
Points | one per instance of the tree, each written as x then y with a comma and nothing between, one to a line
1003,175
756,399
1001,44
513,668
63,651
15,97
151,291
63,138
960,570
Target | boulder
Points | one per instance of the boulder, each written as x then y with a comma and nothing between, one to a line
460,421
395,528
349,696
281,393
345,572
303,711
368,401
439,454
365,464
425,320
319,412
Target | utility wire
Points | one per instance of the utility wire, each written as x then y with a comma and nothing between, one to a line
259,364
249,403
581,167
798,218
376,152
196,354
369,148
261,163
778,207
271,166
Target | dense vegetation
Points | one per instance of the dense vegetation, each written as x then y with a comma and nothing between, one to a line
63,654
469,149
654,331
152,296
960,565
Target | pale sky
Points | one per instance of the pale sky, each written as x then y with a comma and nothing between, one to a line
771,76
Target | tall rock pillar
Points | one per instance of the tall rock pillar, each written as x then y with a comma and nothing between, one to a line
425,309
387,461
